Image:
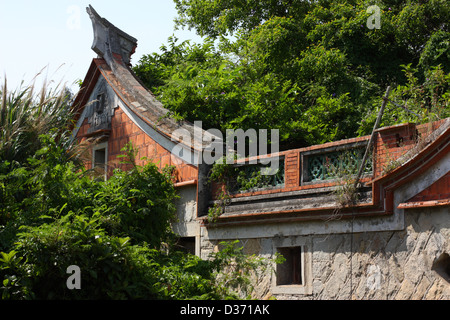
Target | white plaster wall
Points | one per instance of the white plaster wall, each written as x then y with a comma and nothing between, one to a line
186,225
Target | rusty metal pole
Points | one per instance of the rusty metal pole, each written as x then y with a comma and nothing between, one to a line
369,144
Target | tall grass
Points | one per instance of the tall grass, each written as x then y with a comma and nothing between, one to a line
27,113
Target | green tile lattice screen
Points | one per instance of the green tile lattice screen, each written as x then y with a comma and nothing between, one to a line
334,165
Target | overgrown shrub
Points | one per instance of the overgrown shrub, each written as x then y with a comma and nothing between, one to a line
138,203
27,113
56,215
111,268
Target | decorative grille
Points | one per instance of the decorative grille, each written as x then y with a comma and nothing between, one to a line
334,165
249,177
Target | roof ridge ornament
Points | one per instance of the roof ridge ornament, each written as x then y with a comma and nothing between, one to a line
111,43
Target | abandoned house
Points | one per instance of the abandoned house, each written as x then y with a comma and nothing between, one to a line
392,242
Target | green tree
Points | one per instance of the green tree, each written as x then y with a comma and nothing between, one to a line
416,101
55,215
310,69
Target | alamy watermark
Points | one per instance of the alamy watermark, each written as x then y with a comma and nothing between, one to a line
74,281
374,21
232,147
235,142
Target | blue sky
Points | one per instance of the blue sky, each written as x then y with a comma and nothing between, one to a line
56,35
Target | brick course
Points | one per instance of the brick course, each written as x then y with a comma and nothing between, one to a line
389,145
123,130
437,191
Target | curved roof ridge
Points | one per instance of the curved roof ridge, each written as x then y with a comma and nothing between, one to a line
115,47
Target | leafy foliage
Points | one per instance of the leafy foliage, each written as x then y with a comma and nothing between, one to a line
137,203
111,267
313,70
25,115
234,262
425,101
117,232
54,214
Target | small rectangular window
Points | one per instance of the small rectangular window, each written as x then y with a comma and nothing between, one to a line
100,158
186,244
290,271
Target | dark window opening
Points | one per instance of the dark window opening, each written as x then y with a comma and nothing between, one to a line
100,158
186,244
442,266
290,271
99,162
100,104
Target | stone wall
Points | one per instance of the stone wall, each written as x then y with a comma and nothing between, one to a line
372,265
384,265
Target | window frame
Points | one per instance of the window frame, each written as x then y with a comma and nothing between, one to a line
293,265
305,288
98,147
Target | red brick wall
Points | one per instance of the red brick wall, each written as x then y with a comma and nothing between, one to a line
437,191
394,141
292,169
390,143
123,131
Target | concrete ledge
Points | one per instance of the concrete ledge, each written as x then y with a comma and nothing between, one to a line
424,204
185,183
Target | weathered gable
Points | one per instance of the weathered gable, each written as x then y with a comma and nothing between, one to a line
107,119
